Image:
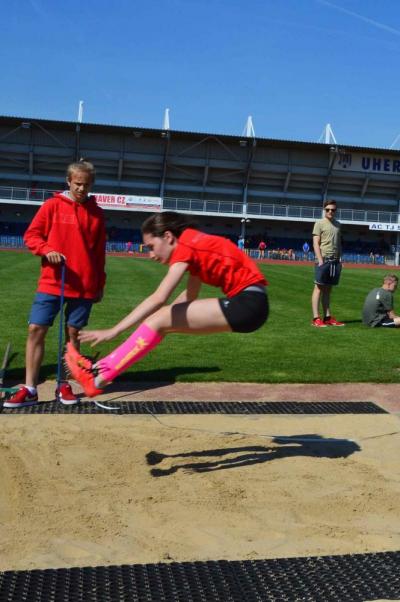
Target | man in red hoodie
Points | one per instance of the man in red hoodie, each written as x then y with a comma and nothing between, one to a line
70,226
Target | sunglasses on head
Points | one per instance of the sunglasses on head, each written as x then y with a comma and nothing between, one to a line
330,209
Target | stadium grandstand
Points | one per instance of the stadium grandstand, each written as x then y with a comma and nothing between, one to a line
260,188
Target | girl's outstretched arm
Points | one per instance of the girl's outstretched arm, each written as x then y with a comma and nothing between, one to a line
141,311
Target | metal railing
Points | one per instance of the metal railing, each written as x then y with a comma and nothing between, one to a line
277,211
235,209
198,206
13,193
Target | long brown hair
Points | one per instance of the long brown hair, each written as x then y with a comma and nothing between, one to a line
158,223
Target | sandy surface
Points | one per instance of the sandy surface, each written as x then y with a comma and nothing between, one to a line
80,490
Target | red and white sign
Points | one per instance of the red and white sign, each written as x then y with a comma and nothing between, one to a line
131,202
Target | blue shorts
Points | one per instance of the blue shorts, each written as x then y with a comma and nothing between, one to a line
46,307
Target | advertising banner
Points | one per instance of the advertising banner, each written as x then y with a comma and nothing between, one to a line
128,202
385,227
368,163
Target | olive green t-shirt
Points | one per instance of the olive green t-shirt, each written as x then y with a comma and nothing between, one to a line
376,306
330,239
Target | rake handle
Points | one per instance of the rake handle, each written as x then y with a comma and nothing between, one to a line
61,324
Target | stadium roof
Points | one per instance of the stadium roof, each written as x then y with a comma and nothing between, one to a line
141,131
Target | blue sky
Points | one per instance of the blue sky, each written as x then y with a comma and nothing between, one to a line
293,65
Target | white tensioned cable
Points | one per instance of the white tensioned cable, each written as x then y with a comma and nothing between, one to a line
104,407
265,436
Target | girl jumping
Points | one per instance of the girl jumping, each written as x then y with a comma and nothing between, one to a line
172,240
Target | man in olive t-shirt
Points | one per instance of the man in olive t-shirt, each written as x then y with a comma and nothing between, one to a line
378,306
328,251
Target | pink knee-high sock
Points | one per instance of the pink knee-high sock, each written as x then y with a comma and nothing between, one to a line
143,340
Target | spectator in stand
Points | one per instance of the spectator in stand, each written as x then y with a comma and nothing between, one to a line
306,250
129,247
378,305
68,227
261,249
328,250
240,243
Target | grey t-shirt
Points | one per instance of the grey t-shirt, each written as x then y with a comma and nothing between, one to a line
376,306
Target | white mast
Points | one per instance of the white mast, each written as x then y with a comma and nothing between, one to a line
249,128
327,136
395,141
80,111
166,120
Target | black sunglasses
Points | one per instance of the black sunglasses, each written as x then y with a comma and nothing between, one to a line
329,209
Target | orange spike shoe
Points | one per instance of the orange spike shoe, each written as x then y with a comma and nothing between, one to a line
81,370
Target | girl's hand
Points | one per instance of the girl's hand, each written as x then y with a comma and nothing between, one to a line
96,336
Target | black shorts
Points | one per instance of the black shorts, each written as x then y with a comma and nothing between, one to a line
386,322
328,273
247,311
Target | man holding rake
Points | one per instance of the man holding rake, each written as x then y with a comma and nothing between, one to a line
68,233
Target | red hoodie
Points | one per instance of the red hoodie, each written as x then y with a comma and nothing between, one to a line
77,230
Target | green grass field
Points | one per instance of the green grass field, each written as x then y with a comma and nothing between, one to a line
286,350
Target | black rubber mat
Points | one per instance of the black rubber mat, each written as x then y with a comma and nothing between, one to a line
350,578
206,407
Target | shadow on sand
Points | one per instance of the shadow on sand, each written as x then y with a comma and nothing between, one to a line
310,445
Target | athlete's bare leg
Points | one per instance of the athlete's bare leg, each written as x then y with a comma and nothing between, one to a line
202,316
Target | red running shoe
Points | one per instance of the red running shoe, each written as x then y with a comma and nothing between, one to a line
330,321
65,395
21,399
319,323
81,370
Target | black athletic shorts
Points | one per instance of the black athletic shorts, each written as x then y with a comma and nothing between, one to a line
386,322
247,311
328,273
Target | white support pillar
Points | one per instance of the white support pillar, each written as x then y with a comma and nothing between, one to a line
249,131
78,131
395,141
166,120
80,111
327,136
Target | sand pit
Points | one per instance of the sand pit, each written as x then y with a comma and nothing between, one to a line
78,490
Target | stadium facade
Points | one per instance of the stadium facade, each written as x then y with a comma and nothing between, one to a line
261,187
